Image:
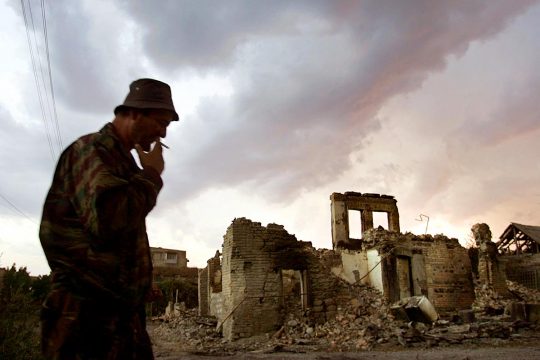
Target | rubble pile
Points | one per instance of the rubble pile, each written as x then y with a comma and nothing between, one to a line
523,293
186,330
360,324
363,322
489,302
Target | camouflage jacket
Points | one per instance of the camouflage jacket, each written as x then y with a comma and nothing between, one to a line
93,229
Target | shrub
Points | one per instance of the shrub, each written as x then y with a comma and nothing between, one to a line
19,317
187,293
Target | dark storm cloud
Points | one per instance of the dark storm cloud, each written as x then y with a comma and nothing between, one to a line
87,52
205,33
308,77
306,96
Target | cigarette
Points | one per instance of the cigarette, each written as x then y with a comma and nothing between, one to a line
165,146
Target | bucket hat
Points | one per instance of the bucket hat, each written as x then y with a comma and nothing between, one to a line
148,94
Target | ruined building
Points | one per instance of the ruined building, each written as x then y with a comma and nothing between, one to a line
263,271
400,265
365,204
491,271
518,249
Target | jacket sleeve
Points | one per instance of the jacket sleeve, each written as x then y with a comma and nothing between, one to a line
111,204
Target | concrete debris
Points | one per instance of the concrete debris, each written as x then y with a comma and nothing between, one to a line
364,322
416,308
490,302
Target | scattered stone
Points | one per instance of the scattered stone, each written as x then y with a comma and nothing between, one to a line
292,323
358,325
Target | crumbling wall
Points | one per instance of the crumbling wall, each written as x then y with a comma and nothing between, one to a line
353,267
326,291
215,301
449,275
254,260
359,267
209,287
251,280
366,204
202,283
411,265
491,271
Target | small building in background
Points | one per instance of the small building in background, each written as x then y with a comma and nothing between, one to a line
171,264
168,257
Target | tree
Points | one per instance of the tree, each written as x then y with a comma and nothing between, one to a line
15,281
40,287
187,293
19,316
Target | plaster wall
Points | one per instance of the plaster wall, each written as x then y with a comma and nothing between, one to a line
353,267
375,276
217,307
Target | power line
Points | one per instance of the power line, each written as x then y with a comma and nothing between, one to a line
40,67
30,47
49,117
44,18
17,209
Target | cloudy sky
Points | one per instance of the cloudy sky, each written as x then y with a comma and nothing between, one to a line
281,104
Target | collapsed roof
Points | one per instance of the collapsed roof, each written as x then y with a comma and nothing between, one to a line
519,238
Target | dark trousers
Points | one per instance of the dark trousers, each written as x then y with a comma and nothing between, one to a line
74,327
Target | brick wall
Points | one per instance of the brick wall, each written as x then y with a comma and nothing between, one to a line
491,272
250,282
254,257
440,268
449,275
204,305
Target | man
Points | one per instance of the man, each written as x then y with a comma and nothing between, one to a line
93,232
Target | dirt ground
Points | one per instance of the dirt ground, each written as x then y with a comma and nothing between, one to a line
459,354
527,347
523,352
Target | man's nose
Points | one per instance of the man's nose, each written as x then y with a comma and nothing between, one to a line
163,132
